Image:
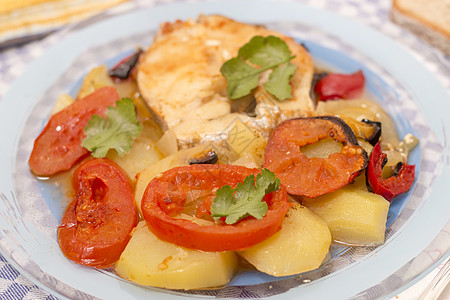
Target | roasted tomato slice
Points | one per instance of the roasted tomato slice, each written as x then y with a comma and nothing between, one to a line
340,86
165,197
397,184
96,225
58,147
314,176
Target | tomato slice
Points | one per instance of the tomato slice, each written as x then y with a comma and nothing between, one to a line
314,176
340,86
165,197
96,225
390,187
58,147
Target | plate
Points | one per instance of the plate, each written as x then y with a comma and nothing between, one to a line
30,211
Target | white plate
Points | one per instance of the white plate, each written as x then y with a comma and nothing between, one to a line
30,210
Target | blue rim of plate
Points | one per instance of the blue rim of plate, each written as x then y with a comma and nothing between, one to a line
401,247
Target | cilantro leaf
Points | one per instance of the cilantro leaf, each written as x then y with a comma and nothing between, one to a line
257,56
246,199
114,131
266,51
281,74
241,77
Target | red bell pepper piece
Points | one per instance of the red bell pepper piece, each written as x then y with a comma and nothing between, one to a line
340,86
399,183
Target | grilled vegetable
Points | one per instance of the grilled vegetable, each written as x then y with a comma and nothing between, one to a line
314,176
58,148
166,197
96,226
397,184
340,86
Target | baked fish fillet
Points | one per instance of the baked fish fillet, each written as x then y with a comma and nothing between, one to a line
179,78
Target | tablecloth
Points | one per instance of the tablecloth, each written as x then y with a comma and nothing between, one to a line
373,13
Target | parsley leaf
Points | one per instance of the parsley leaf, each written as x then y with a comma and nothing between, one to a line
264,53
278,77
246,199
116,131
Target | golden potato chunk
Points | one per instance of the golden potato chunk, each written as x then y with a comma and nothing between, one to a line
150,261
98,77
354,215
301,245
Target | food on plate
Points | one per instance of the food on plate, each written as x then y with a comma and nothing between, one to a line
192,187
96,225
204,156
148,260
353,215
58,148
314,176
125,68
179,77
301,245
400,182
340,86
115,131
363,109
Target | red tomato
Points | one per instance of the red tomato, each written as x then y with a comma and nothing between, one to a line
58,148
340,86
96,226
314,176
392,186
165,197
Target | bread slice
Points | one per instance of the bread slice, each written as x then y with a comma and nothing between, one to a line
429,19
19,19
179,78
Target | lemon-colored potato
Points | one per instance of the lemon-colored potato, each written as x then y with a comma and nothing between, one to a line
150,261
301,245
354,215
61,103
98,77
142,154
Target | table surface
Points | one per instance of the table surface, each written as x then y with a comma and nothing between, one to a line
13,62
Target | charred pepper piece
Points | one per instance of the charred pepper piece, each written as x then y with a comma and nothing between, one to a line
340,86
123,69
205,158
376,134
397,184
367,130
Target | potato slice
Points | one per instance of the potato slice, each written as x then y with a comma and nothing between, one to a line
354,215
148,260
61,103
98,77
142,154
301,245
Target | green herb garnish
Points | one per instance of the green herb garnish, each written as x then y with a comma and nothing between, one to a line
263,53
115,131
246,199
